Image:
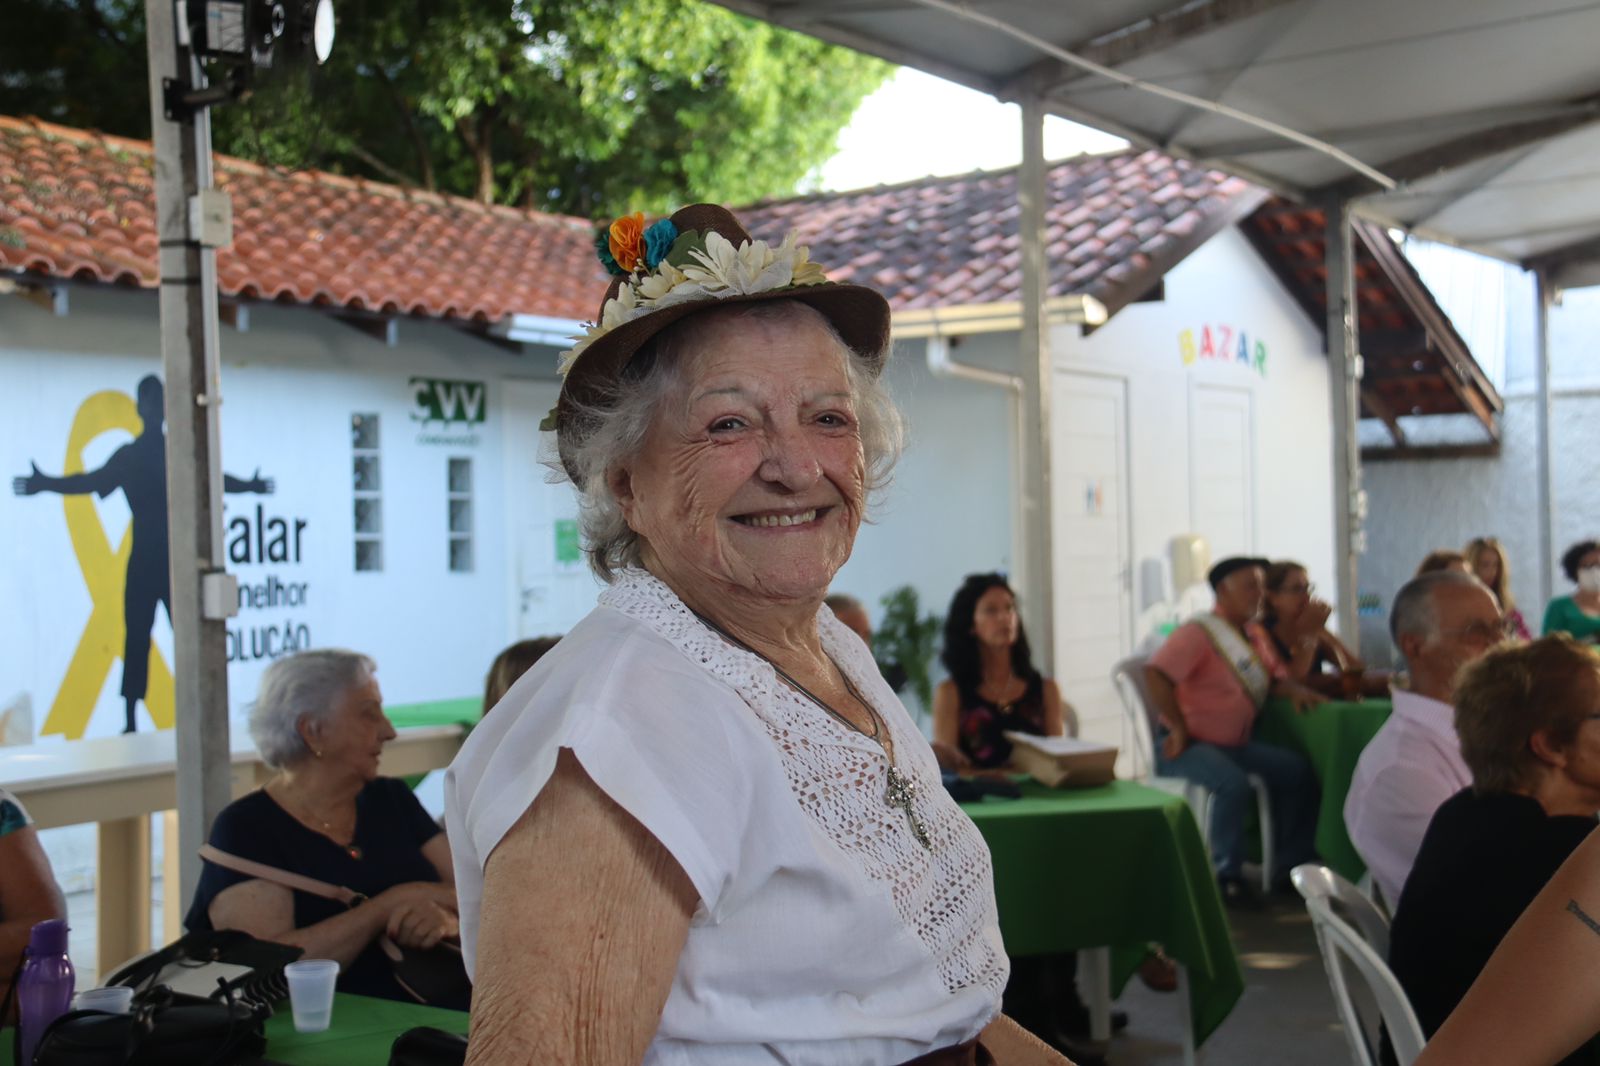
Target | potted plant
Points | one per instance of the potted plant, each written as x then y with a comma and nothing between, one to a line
904,644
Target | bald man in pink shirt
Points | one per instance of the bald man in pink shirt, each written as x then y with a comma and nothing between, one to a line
1440,622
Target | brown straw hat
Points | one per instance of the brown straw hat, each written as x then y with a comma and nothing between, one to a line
698,259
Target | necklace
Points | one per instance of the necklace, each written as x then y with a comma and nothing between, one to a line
900,791
326,829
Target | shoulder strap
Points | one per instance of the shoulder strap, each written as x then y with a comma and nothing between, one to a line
297,882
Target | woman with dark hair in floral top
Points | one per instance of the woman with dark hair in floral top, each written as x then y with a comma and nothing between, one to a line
993,686
28,890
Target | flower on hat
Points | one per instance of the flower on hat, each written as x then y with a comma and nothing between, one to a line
627,241
662,268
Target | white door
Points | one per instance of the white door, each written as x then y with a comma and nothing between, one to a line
1093,587
553,589
1222,475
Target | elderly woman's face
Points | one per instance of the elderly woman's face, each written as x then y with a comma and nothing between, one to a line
752,476
352,737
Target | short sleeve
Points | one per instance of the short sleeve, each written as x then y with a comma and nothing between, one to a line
658,734
241,830
13,815
1182,652
1262,642
1555,616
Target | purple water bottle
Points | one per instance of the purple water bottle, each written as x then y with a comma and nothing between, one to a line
44,989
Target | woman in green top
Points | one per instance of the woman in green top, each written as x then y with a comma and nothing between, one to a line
1578,614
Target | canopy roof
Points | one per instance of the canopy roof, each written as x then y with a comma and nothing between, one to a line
1475,119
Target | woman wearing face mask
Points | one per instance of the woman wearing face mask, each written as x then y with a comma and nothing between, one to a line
1578,614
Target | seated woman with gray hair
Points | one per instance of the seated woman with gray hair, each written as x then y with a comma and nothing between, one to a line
1526,715
319,722
703,829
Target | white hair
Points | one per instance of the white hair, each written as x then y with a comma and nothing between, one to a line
306,685
610,432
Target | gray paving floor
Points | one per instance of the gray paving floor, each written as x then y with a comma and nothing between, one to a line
1286,1016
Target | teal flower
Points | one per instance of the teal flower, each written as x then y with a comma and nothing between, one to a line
658,242
602,245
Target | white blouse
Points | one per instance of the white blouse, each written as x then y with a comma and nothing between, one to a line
825,934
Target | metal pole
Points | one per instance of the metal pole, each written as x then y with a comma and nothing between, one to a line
1542,422
194,467
1035,572
1344,381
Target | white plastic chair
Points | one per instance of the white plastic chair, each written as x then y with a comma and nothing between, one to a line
1342,943
1353,906
1141,717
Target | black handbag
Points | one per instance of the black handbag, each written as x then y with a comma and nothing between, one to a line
163,1028
435,976
426,1046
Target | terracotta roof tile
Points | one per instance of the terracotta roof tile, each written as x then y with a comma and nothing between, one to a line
945,242
81,205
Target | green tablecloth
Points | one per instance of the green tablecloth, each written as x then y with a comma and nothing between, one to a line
1119,866
1332,736
363,1028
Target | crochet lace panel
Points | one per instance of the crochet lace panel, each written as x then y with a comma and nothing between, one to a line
839,777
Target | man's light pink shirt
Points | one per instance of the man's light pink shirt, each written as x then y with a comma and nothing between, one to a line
1411,766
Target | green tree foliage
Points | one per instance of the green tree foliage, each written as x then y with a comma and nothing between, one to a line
589,107
908,639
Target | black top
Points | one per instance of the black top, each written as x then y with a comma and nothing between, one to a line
1482,860
391,828
1321,662
982,727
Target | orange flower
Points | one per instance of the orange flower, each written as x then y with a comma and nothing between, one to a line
627,240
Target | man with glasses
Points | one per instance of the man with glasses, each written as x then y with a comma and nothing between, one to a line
1441,621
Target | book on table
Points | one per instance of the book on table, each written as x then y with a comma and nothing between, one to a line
1063,762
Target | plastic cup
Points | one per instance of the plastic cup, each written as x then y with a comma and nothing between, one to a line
117,999
311,993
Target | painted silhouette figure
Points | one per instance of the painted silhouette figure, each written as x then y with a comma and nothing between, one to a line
139,469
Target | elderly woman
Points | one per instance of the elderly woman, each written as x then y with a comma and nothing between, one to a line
769,868
319,722
1579,614
1526,715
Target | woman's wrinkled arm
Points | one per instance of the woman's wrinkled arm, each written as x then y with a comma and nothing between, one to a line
584,916
266,911
1539,996
28,894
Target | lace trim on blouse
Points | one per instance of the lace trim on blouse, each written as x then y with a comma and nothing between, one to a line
839,776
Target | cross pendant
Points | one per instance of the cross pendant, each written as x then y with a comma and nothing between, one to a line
900,793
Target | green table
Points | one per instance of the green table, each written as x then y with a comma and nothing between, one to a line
363,1028
1332,736
1119,866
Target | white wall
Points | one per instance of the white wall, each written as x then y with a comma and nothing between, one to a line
1224,284
949,512
1226,287
291,383
1420,505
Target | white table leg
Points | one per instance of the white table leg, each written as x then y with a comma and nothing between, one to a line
1186,1014
1094,978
